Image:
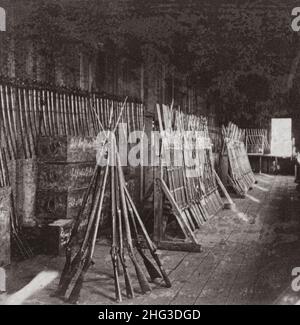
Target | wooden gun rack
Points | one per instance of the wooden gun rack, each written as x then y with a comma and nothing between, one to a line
187,193
235,166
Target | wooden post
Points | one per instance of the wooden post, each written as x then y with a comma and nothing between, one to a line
59,72
82,72
142,93
12,59
91,73
260,163
2,280
30,59
5,212
152,173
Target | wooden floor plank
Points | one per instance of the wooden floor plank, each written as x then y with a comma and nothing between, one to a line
248,256
190,290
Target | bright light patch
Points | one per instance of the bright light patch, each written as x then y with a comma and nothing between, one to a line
42,280
263,181
2,20
252,198
261,188
281,143
266,176
242,216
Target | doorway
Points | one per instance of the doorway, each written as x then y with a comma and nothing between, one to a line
281,137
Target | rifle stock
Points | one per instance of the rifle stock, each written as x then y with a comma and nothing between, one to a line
128,282
86,262
151,246
151,269
114,255
145,287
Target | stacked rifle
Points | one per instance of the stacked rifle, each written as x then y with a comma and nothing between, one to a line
256,140
126,228
4,179
240,175
30,109
188,181
215,134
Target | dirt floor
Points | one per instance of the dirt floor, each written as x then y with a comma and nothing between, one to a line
248,257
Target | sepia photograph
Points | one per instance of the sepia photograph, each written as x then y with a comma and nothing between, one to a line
149,155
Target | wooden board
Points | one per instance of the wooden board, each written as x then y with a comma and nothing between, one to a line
5,211
23,178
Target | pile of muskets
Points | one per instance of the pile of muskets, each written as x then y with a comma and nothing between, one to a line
30,109
128,230
256,140
188,180
240,176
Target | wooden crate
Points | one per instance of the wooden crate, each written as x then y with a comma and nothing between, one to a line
64,176
66,149
56,235
54,205
65,168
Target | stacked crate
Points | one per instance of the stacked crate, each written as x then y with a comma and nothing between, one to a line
65,167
